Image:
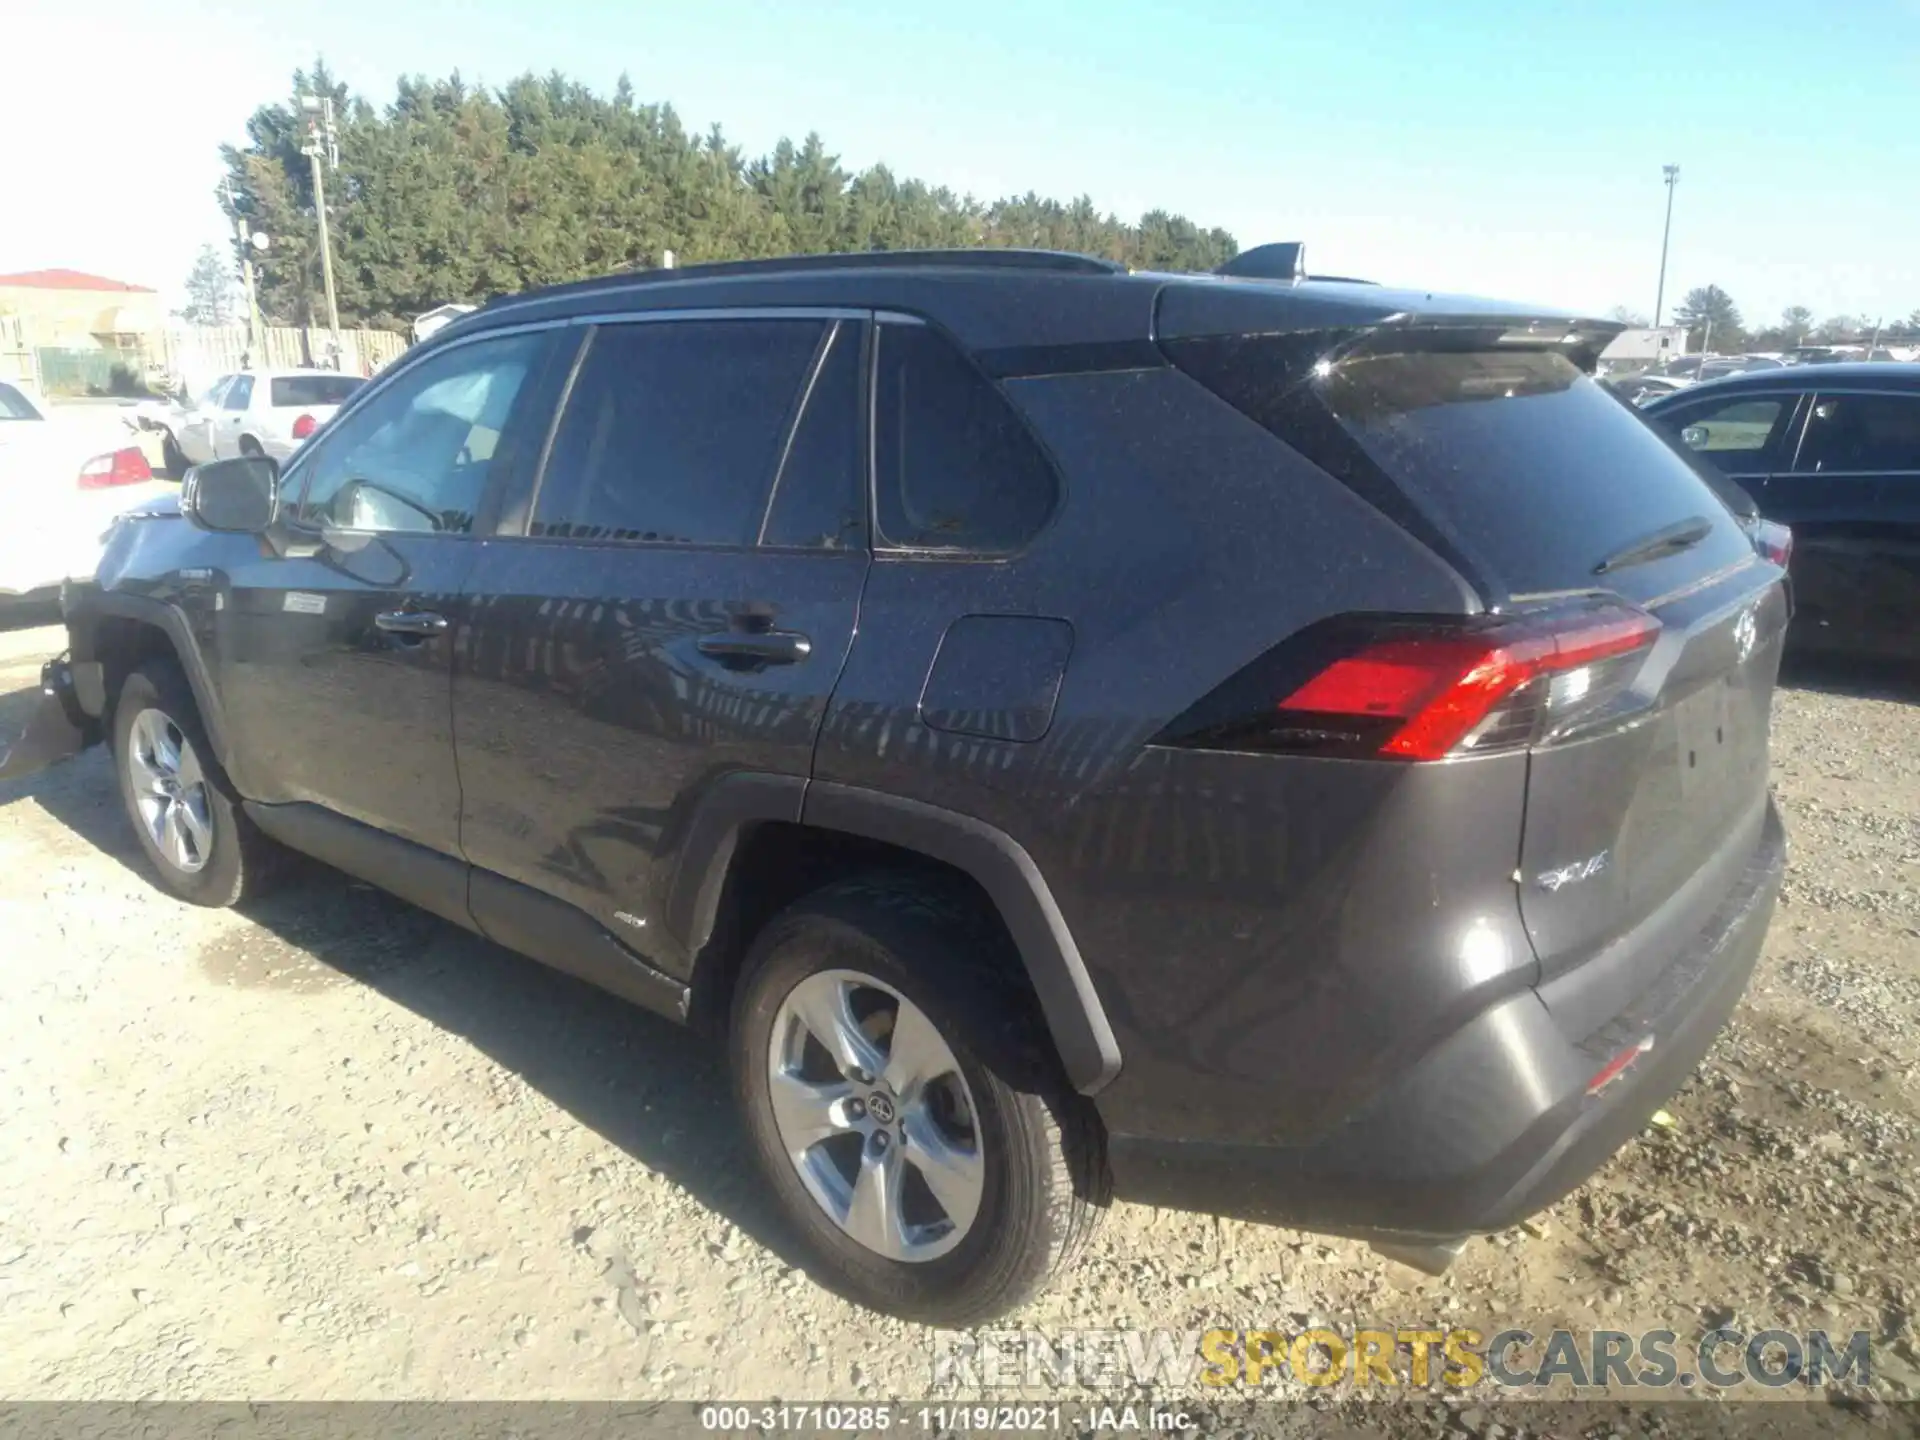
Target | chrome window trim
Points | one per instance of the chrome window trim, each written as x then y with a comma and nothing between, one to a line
721,312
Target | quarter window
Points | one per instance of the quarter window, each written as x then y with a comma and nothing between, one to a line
1862,433
673,431
416,456
955,469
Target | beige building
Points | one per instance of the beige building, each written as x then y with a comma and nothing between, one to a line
74,310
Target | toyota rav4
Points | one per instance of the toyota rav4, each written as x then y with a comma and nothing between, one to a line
1280,747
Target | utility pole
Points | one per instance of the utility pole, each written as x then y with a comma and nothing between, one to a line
248,241
1672,174
323,142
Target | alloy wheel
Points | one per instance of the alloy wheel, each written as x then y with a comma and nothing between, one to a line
169,790
875,1116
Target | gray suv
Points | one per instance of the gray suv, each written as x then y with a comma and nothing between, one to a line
1287,748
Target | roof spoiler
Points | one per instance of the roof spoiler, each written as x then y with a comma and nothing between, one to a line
1284,260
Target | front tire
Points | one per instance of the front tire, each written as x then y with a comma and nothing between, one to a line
906,1106
185,812
172,457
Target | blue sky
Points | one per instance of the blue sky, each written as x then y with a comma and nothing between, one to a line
1505,148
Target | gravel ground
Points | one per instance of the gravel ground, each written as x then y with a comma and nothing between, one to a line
333,1148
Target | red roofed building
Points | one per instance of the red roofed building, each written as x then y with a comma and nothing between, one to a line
73,308
70,280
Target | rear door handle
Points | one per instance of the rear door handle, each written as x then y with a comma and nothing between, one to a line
768,647
410,622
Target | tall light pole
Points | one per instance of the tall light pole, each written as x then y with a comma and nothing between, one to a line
1672,173
323,142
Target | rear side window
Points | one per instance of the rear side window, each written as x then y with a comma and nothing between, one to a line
239,394
1732,435
290,390
1526,464
673,431
1862,433
955,469
819,497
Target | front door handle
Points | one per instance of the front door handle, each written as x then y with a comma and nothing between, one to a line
410,622
764,647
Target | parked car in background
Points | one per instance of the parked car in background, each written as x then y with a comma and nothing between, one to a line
1821,355
63,480
1833,452
254,412
1643,389
1292,749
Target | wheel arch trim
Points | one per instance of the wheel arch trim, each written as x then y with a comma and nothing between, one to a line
998,863
83,628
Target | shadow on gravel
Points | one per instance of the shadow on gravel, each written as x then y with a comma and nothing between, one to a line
653,1088
16,707
1861,679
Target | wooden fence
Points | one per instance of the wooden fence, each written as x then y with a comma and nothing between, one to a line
193,353
182,355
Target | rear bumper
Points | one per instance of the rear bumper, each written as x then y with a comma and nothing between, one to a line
1494,1123
60,725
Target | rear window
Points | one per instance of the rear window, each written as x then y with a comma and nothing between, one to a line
1522,463
291,390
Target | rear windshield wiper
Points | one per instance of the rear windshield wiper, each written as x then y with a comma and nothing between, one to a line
1668,540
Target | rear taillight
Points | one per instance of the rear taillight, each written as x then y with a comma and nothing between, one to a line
122,467
1404,689
1774,542
304,426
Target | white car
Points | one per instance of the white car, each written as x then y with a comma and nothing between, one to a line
63,478
256,412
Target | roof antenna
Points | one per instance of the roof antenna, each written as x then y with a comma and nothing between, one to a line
1283,260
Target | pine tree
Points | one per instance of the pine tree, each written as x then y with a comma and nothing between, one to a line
210,289
459,192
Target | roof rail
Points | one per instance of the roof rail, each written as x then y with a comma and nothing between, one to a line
981,258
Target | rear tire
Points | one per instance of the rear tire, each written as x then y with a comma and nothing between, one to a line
185,812
250,446
994,1132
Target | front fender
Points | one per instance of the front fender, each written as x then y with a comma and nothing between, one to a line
99,651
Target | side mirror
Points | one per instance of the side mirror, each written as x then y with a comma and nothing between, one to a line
1695,437
233,497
